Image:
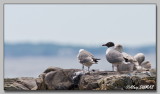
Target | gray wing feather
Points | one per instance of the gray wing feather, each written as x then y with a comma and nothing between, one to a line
129,57
85,56
114,57
87,53
86,60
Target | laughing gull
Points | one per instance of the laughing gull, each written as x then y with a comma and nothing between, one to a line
86,58
113,56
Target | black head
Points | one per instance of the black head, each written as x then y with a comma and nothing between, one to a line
109,44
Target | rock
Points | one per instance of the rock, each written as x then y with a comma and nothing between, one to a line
11,84
55,78
51,69
28,82
60,79
88,82
117,82
23,83
40,82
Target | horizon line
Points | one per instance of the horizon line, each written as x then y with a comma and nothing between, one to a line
71,44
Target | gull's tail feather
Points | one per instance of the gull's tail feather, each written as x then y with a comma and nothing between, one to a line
96,59
126,60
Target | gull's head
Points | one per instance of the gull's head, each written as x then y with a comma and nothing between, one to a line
81,50
119,48
109,44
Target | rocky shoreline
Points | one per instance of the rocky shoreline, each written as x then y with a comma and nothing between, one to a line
54,78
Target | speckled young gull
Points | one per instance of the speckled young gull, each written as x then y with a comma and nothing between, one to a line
86,58
136,60
146,65
139,57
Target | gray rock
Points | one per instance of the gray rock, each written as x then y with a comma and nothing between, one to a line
49,69
40,82
23,83
89,82
117,81
60,79
75,79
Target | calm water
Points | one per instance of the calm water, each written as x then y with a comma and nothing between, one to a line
33,66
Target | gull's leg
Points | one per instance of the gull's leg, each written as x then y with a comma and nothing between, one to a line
115,67
82,67
112,67
88,68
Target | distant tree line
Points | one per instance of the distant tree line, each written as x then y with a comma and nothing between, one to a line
48,49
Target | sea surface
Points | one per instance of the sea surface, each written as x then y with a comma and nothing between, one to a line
33,66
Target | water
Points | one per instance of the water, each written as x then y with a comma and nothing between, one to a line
33,66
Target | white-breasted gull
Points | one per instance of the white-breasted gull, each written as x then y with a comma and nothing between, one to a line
113,56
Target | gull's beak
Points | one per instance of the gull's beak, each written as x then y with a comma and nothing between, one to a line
104,45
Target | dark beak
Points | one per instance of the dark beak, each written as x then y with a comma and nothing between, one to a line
104,45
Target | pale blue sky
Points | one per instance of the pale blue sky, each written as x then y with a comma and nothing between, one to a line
86,24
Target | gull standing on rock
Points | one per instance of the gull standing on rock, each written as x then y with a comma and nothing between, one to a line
113,56
136,60
125,67
119,48
146,65
139,57
86,58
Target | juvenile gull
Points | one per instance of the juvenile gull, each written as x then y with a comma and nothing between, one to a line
130,58
136,60
125,67
146,65
113,56
86,58
139,57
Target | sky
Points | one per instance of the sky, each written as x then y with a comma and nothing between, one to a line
80,24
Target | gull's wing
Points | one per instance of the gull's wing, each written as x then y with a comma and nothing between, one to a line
114,56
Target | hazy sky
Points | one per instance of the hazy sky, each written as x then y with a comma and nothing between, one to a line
87,24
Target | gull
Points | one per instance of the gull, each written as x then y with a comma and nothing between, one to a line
139,57
129,58
86,58
146,65
114,56
136,60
